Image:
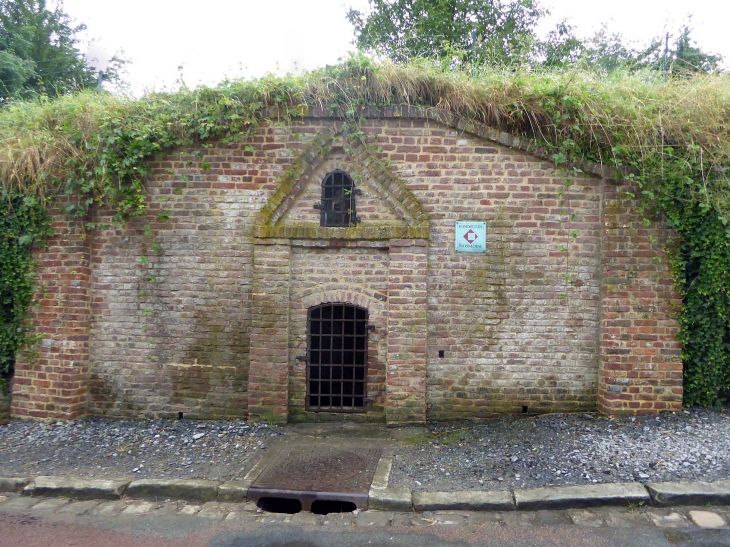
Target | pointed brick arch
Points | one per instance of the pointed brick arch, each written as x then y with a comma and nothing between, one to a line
376,175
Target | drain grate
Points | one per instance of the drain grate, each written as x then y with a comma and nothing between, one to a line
318,473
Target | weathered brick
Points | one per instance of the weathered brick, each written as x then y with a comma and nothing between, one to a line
569,309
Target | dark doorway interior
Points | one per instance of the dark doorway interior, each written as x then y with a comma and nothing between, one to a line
337,341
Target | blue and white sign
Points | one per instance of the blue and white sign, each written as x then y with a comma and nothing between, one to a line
471,237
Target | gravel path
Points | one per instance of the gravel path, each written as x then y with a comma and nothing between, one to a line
499,454
104,448
564,450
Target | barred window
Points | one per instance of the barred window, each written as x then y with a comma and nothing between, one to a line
337,207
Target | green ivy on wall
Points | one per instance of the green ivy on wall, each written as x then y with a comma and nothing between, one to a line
670,136
22,222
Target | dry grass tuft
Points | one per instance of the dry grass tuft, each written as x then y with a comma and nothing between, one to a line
611,118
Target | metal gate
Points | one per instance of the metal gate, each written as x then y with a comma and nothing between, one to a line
337,344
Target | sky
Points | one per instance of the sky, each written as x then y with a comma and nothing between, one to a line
204,42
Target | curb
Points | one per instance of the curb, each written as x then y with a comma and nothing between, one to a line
384,498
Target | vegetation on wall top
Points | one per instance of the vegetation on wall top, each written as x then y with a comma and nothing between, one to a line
671,135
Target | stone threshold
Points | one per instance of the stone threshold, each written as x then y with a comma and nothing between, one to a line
382,497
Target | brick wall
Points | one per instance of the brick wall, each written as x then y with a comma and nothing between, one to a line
51,382
200,305
641,366
513,331
352,274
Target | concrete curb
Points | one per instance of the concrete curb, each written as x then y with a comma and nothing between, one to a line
13,484
76,488
576,497
468,500
689,493
190,490
385,498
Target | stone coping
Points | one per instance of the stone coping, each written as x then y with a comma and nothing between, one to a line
384,498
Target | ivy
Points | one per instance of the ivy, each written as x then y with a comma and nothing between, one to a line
668,136
22,223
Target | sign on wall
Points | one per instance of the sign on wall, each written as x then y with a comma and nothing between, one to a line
471,237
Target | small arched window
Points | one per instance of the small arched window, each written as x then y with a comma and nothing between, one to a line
337,207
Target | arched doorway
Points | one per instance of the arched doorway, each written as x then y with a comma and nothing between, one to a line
337,342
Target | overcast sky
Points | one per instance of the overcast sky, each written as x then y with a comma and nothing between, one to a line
213,39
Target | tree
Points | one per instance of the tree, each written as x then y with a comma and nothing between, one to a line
608,52
38,53
688,57
455,32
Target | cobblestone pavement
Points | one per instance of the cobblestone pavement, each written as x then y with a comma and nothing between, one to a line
677,524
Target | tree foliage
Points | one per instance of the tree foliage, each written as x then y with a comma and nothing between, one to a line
503,33
676,54
456,32
39,55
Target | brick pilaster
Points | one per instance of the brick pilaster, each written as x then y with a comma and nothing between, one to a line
407,331
640,369
268,384
51,380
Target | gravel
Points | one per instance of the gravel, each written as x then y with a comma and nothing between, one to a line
564,450
499,454
105,448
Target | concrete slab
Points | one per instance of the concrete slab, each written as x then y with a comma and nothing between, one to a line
689,493
586,517
189,490
19,504
448,518
79,507
242,516
13,484
190,510
469,500
50,505
306,519
233,491
139,508
109,508
485,519
374,518
617,517
553,518
581,496
76,488
169,509
213,510
390,499
707,519
667,519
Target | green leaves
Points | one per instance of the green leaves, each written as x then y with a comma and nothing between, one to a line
668,138
22,222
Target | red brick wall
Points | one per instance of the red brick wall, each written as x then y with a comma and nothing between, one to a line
513,331
569,309
51,382
641,367
353,274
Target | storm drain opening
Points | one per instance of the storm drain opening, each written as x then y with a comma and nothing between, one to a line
317,477
325,507
280,505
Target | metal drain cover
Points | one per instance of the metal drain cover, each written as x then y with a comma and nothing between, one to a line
318,472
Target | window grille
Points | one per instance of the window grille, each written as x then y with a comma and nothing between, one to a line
337,207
